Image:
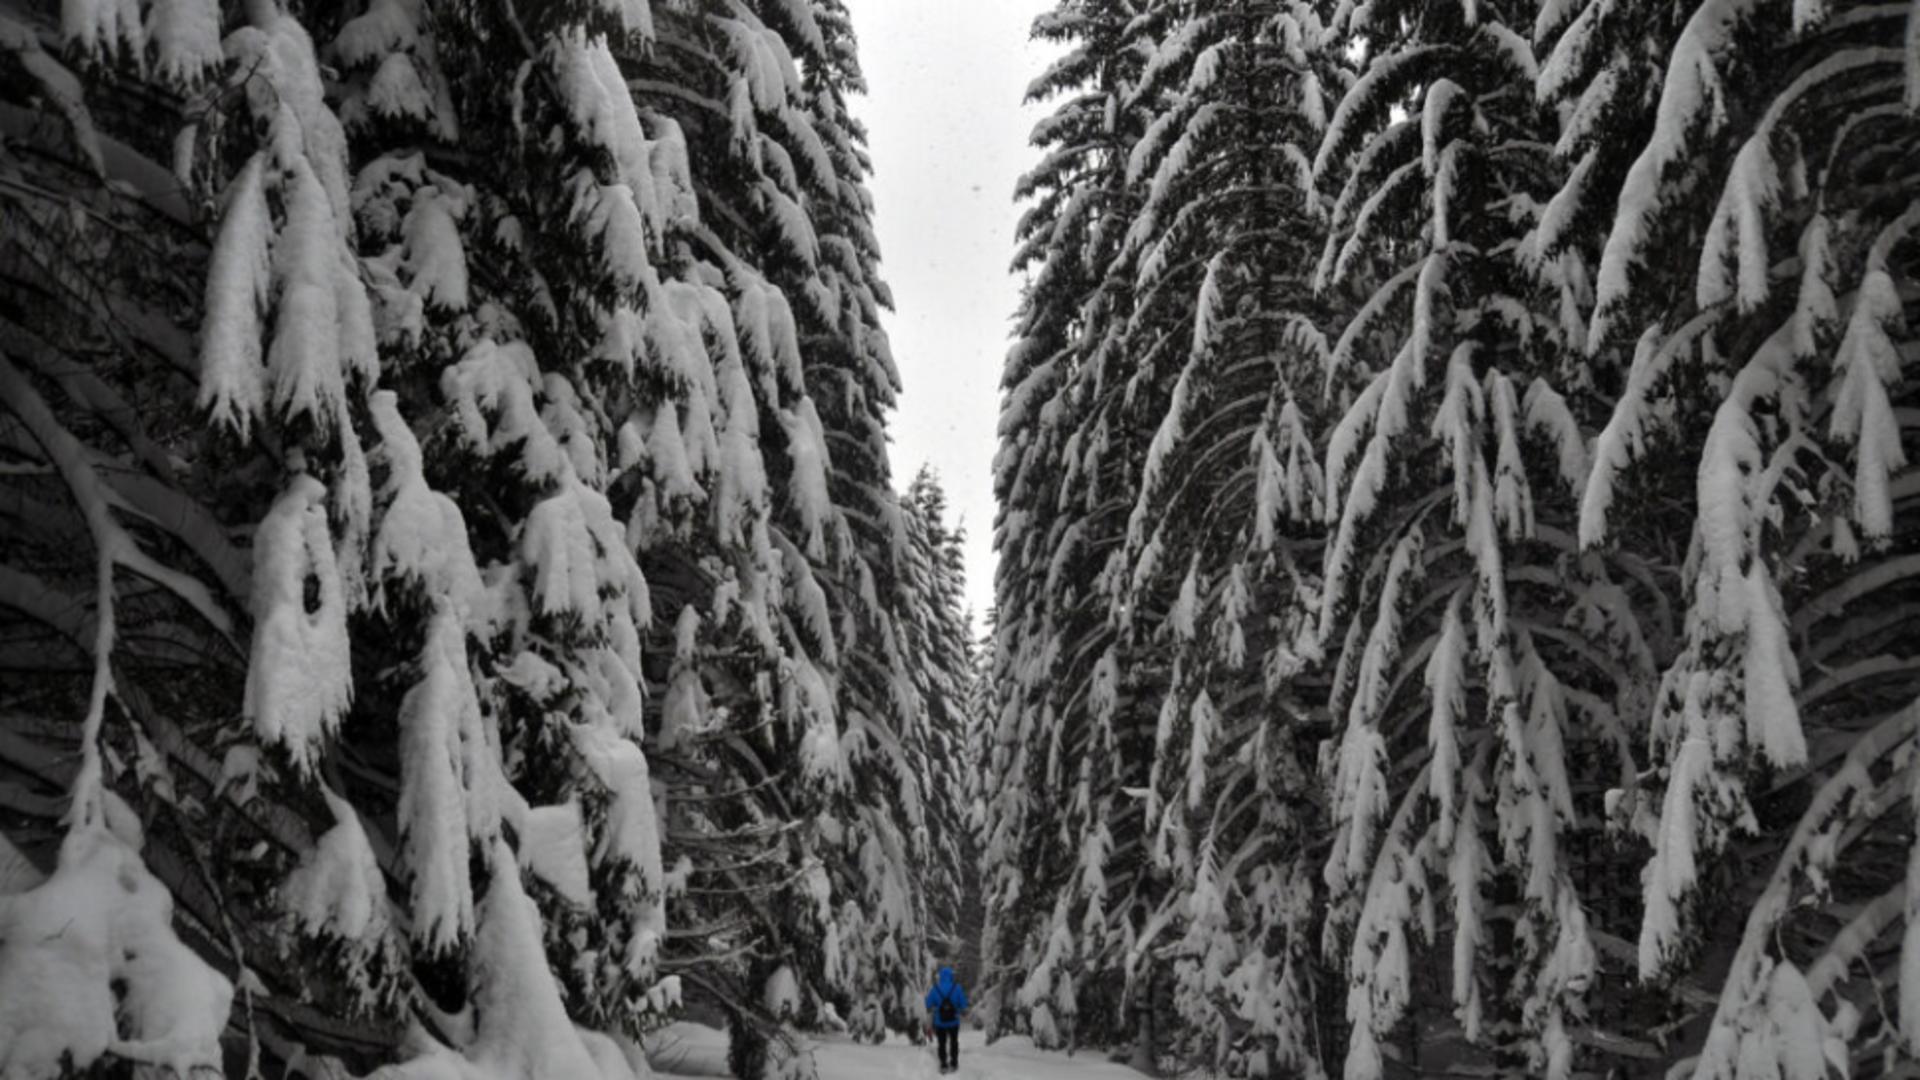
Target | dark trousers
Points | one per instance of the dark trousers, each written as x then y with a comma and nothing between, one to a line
948,1040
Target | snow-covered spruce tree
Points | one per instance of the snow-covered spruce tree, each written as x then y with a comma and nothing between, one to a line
1497,627
802,800
1486,676
508,297
789,197
809,840
1057,922
940,648
456,386
851,372
973,912
970,956
1775,148
1221,549
478,639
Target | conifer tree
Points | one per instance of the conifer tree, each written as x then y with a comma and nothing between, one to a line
941,651
1212,575
1586,513
1769,150
511,568
1472,635
1054,813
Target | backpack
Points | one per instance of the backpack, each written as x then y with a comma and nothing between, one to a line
948,1014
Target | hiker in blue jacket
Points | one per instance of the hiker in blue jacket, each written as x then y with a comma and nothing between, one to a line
946,1004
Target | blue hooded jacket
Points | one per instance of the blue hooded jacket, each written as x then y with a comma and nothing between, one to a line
947,989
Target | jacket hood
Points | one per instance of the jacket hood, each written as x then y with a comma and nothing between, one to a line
946,977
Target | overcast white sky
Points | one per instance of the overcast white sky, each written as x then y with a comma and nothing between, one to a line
945,79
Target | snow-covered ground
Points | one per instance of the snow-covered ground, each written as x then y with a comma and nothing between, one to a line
686,1051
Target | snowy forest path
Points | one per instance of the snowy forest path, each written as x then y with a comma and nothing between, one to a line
839,1059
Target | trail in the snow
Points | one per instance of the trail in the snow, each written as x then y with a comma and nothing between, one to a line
700,1052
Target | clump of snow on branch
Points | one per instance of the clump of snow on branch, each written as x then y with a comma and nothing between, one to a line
1866,362
299,676
90,965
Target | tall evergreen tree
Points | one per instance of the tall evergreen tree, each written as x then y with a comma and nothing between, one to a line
1558,620
1055,813
1773,148
1520,685
1212,577
512,573
941,648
